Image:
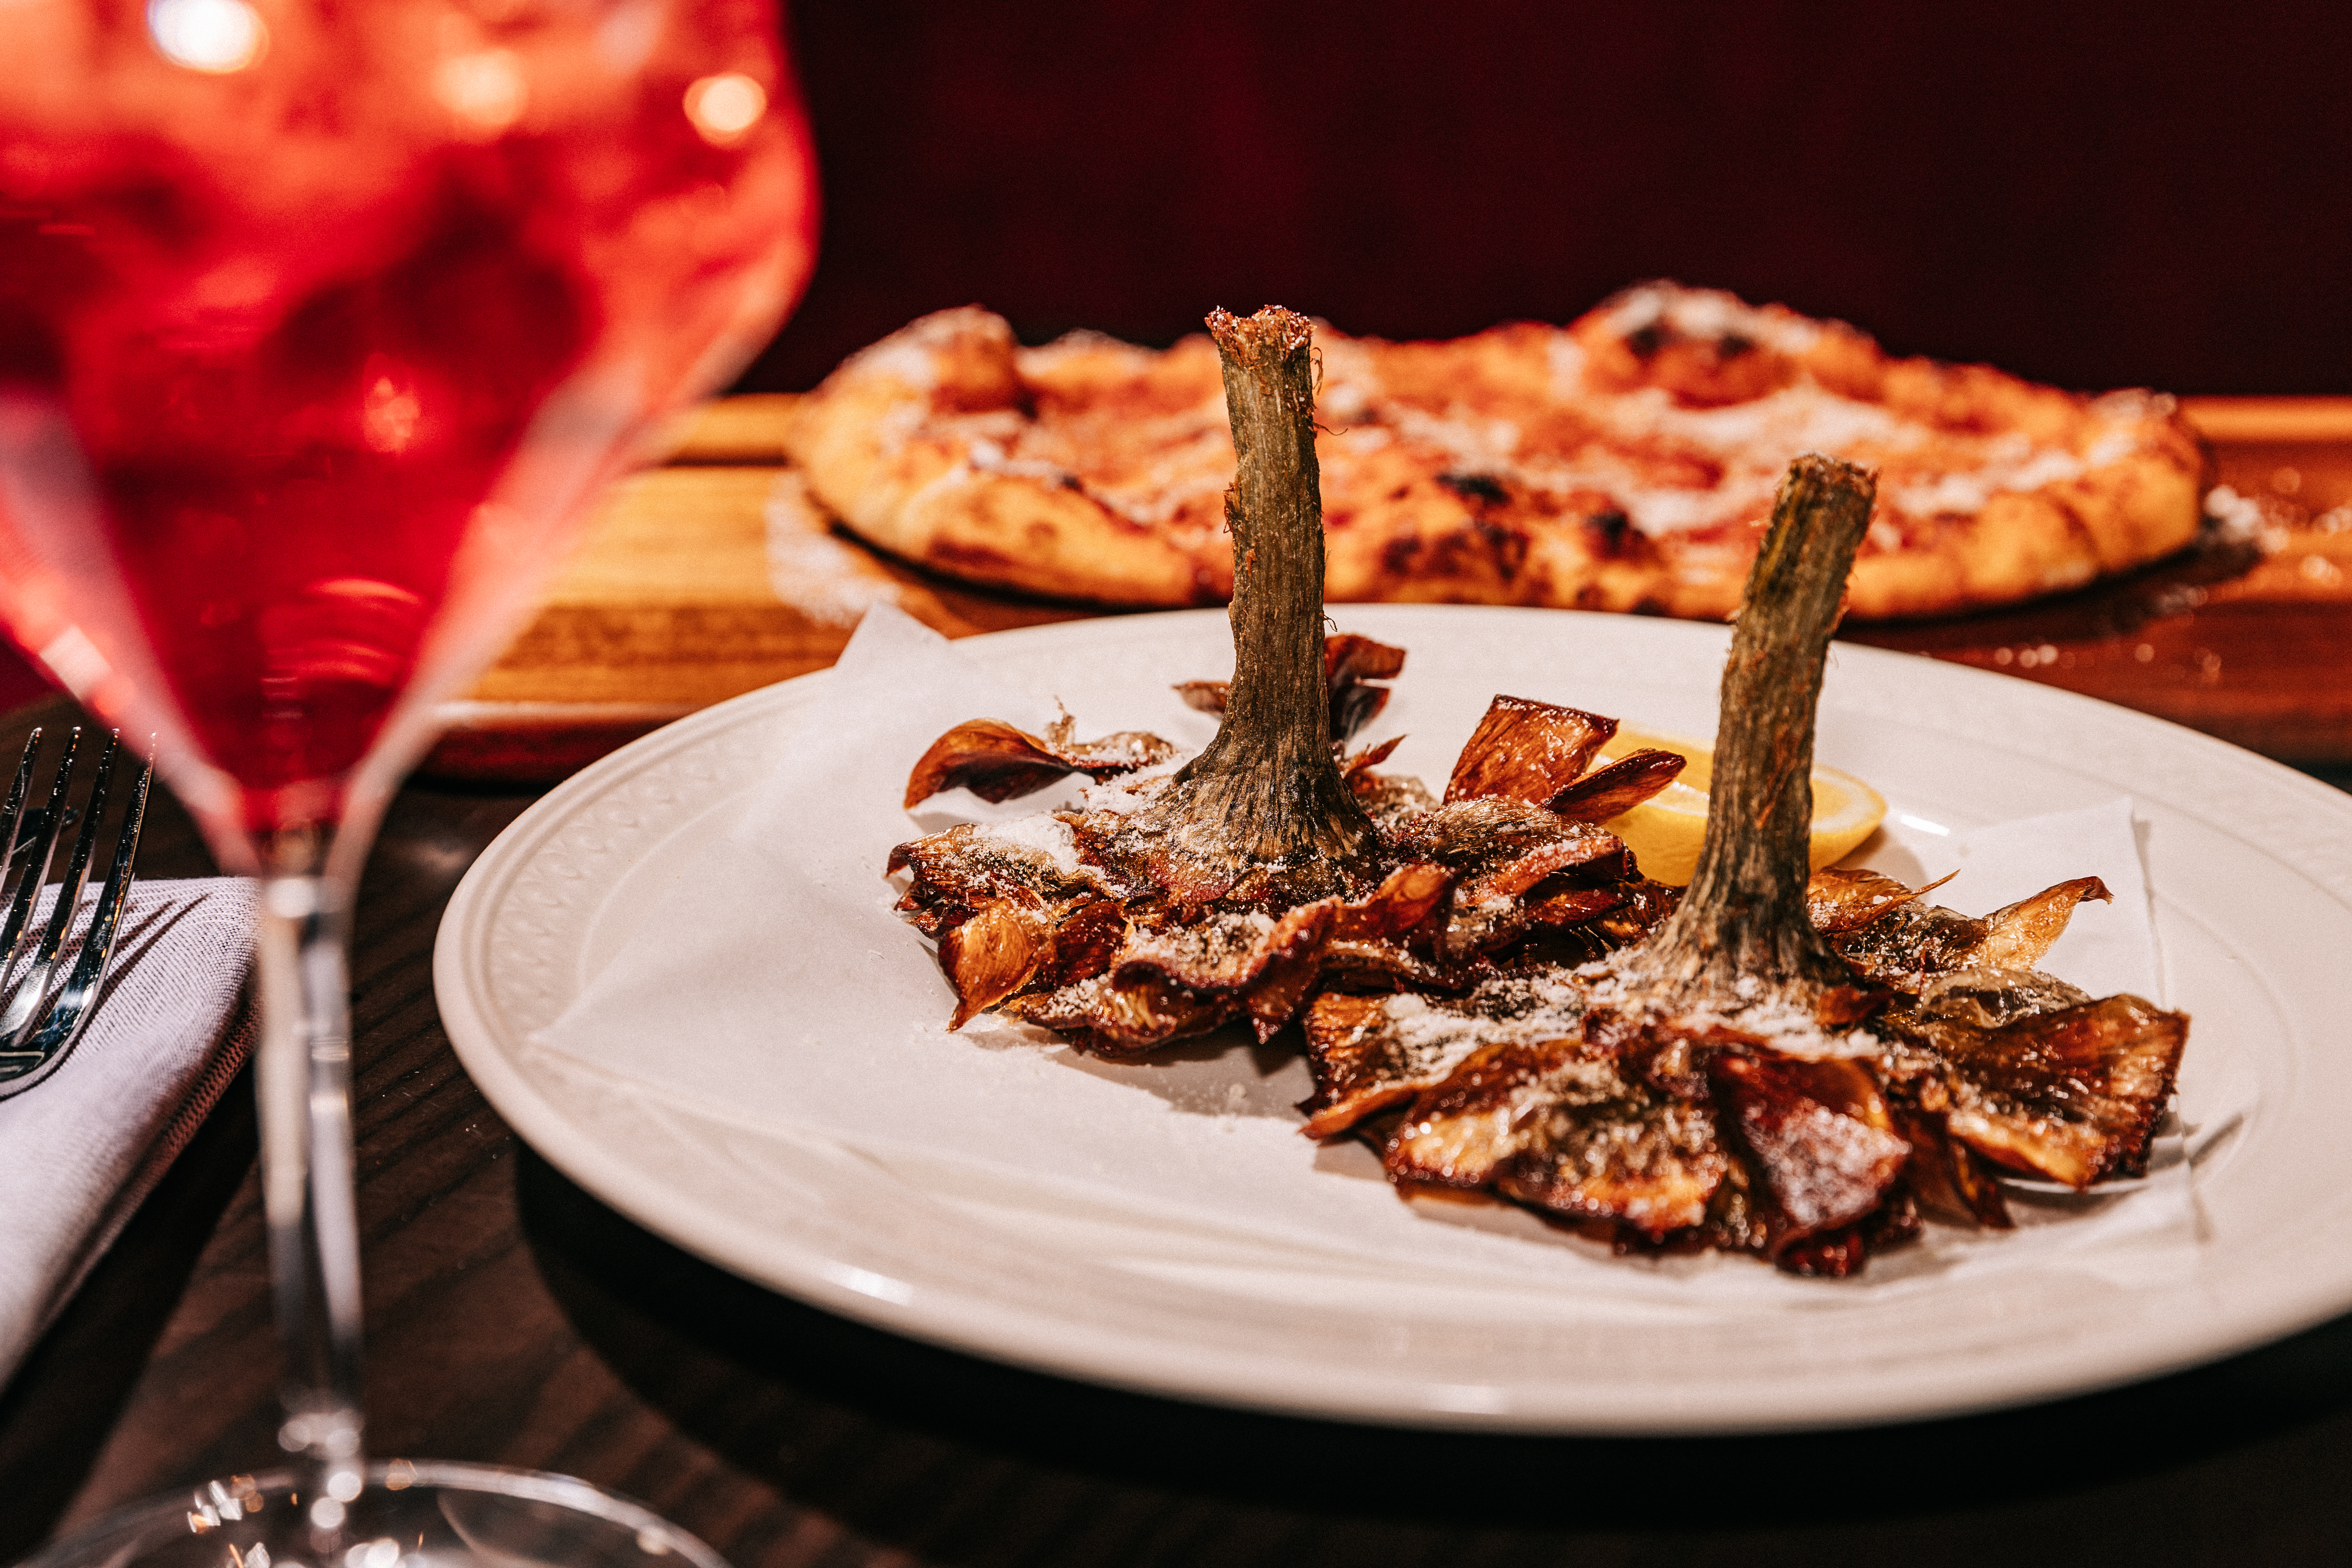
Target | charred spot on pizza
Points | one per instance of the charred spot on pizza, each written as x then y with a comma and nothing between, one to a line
1611,529
1698,373
1459,555
1506,543
1702,349
1480,489
1611,535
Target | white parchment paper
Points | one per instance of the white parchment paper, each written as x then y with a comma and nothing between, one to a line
774,989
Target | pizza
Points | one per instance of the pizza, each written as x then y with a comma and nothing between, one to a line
1624,462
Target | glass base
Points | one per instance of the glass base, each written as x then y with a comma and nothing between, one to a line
412,1514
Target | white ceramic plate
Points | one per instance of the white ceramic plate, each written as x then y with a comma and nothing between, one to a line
2250,866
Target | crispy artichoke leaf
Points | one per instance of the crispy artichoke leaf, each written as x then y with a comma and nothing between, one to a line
1819,1133
1388,799
1565,1126
2017,935
1643,907
1949,1183
1526,750
1650,1164
1127,1018
1369,1053
1360,1064
1988,998
1618,786
1008,947
991,955
1842,900
1909,942
1483,837
1165,982
2072,1094
1351,663
1462,1128
1263,963
1348,658
1408,906
1838,1253
1203,695
997,762
955,874
1522,868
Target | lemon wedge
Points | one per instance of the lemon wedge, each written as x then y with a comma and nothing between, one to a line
1666,830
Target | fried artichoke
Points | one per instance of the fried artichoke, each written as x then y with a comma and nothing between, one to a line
1804,1068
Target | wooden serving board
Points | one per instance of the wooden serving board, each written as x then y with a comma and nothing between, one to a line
715,574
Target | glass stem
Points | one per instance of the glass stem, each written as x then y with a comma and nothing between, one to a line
302,1081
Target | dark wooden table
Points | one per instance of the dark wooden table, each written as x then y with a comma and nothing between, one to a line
513,1318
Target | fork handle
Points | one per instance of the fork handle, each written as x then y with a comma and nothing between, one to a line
302,1083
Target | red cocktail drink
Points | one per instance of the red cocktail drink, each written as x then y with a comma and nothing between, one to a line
303,379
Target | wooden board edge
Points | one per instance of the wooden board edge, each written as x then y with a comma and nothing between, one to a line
748,429
2232,421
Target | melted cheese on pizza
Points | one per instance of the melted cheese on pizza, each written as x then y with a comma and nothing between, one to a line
1625,462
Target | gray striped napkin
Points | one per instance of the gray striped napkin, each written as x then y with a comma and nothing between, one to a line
79,1152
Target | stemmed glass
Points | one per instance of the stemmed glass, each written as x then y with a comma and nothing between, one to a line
320,324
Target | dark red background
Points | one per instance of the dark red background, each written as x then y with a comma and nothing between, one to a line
2095,195
2091,195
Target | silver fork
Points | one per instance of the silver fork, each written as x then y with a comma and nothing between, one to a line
43,1011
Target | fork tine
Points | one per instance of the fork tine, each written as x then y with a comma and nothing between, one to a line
32,994
75,1000
38,847
12,821
61,913
12,814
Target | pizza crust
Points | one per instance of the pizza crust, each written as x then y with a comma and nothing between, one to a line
1624,463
